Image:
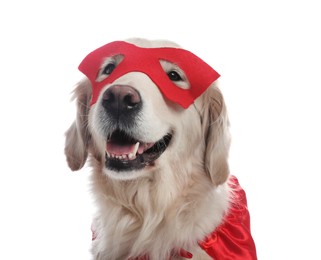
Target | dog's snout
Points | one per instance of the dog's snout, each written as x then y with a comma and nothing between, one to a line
121,99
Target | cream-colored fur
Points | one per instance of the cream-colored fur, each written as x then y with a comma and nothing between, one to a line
176,201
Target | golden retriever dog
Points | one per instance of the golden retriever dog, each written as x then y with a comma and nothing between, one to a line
160,174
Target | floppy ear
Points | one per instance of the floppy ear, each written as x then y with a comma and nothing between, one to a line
215,125
77,136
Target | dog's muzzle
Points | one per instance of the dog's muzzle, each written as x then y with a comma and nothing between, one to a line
122,104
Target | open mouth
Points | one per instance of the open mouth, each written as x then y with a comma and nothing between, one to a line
124,152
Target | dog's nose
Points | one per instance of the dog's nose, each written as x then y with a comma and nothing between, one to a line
121,99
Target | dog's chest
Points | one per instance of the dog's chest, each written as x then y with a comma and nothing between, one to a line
122,233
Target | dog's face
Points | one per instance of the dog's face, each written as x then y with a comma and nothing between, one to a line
133,130
132,124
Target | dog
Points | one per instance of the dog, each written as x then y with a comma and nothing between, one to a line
156,134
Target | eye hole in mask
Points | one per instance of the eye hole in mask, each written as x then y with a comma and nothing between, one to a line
108,67
175,74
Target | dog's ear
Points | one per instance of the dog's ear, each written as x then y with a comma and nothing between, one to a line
77,136
215,125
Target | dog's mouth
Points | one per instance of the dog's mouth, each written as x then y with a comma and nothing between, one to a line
123,152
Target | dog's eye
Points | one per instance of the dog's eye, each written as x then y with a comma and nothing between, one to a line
174,76
108,66
109,69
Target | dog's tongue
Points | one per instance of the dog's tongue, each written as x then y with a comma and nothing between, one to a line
127,149
120,149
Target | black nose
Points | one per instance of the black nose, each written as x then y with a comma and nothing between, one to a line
121,100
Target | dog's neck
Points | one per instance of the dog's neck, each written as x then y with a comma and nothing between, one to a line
148,209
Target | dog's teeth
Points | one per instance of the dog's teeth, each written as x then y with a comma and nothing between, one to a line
133,153
130,156
135,149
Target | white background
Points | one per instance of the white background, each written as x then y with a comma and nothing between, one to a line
268,53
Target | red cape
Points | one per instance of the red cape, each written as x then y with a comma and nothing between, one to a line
232,240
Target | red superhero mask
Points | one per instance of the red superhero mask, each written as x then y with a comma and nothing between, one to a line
147,60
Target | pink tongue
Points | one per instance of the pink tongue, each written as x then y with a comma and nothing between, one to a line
117,149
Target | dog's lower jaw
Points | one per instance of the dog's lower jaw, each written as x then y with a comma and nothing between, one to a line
127,175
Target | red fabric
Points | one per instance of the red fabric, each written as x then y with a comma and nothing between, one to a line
232,240
147,60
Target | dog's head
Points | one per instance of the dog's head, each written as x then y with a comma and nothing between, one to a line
135,119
